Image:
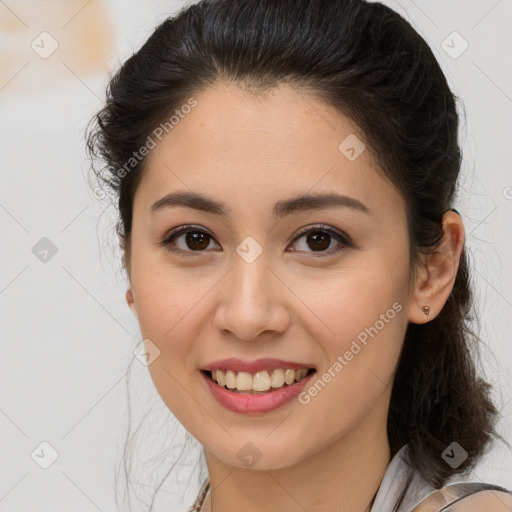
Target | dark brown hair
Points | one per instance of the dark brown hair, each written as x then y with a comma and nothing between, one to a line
369,63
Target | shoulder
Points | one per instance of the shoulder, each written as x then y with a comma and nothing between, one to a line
484,501
468,497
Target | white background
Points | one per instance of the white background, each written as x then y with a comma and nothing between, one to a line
67,334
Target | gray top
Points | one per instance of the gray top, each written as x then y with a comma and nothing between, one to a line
402,487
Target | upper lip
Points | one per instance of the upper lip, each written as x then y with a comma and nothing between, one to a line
258,365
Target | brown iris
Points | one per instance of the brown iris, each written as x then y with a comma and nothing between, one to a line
321,240
197,241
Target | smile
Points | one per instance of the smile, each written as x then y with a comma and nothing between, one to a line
254,401
259,382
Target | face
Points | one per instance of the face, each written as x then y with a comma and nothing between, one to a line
322,287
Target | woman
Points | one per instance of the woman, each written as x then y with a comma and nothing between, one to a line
285,175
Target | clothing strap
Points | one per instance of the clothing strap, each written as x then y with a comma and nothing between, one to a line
442,499
198,503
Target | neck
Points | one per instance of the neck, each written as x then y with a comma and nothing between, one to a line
346,474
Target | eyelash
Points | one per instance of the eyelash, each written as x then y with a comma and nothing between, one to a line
342,239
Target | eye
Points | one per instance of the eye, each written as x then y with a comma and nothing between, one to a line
320,238
195,239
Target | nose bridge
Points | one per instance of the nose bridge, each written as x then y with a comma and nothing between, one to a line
250,302
250,281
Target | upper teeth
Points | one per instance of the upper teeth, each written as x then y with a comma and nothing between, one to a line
260,381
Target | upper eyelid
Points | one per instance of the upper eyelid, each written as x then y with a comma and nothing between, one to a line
320,227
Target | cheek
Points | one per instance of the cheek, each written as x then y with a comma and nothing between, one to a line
161,303
165,296
360,316
166,306
360,335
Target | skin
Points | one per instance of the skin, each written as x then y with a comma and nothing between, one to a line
249,151
493,501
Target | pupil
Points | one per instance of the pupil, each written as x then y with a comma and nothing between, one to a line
315,236
194,241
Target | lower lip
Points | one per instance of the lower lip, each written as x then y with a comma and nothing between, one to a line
254,404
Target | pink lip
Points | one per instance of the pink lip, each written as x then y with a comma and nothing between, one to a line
265,363
254,404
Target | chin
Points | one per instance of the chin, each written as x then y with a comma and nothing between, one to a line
258,453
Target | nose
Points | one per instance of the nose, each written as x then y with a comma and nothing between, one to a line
253,301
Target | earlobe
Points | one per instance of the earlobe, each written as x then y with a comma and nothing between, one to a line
130,301
437,277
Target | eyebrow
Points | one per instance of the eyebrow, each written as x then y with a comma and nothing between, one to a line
281,208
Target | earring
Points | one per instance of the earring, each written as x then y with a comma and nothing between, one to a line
426,310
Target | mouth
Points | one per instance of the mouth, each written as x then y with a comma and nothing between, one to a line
258,383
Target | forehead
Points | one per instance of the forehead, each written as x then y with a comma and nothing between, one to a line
246,147
278,123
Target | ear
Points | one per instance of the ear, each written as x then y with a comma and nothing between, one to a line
131,302
436,277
